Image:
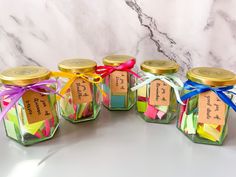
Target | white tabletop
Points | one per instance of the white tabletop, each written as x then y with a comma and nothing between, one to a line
118,144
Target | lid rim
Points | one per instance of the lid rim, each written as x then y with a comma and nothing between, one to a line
160,66
13,76
77,65
215,77
116,60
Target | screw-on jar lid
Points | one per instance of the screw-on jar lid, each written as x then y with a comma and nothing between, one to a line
212,76
77,65
24,75
116,60
160,66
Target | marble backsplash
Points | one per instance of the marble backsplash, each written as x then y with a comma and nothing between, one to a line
192,33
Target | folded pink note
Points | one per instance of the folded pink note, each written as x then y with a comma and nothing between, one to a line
151,112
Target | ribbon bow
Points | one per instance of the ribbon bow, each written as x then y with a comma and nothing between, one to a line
196,88
171,80
107,70
90,77
16,92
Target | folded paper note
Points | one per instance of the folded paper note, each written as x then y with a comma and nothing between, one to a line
141,106
151,112
142,91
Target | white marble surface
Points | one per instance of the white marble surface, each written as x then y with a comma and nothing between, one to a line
193,33
119,144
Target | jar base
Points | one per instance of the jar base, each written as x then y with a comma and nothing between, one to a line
199,140
32,142
119,109
91,118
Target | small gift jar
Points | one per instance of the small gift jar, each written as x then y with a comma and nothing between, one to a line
207,98
28,104
157,91
118,79
81,95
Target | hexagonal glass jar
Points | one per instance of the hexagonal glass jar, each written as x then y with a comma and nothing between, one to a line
204,117
82,100
117,84
156,100
33,117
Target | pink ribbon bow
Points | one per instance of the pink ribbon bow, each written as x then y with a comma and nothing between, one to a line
107,70
16,92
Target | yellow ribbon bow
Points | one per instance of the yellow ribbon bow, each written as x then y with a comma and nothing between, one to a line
90,77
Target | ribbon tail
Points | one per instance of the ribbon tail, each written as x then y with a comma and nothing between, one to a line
177,80
226,99
132,72
189,95
11,104
142,84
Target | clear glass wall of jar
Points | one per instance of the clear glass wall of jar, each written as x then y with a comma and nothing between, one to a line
117,84
32,117
156,99
82,100
204,117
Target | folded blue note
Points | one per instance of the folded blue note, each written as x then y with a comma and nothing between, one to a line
117,101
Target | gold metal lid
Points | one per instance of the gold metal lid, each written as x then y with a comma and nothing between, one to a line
212,76
24,75
116,60
160,66
77,65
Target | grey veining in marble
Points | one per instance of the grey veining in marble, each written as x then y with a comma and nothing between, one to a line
192,33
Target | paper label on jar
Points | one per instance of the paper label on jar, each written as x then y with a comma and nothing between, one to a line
119,82
159,93
81,91
212,109
37,107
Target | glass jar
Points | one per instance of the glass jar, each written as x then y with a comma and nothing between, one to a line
28,104
117,84
203,118
156,97
82,99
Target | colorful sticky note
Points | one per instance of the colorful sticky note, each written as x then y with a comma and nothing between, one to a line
140,98
69,109
162,108
141,106
142,91
118,101
10,129
184,122
192,104
80,109
211,130
33,128
190,124
160,114
151,112
12,116
202,133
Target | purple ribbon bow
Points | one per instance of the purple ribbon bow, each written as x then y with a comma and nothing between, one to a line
16,92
